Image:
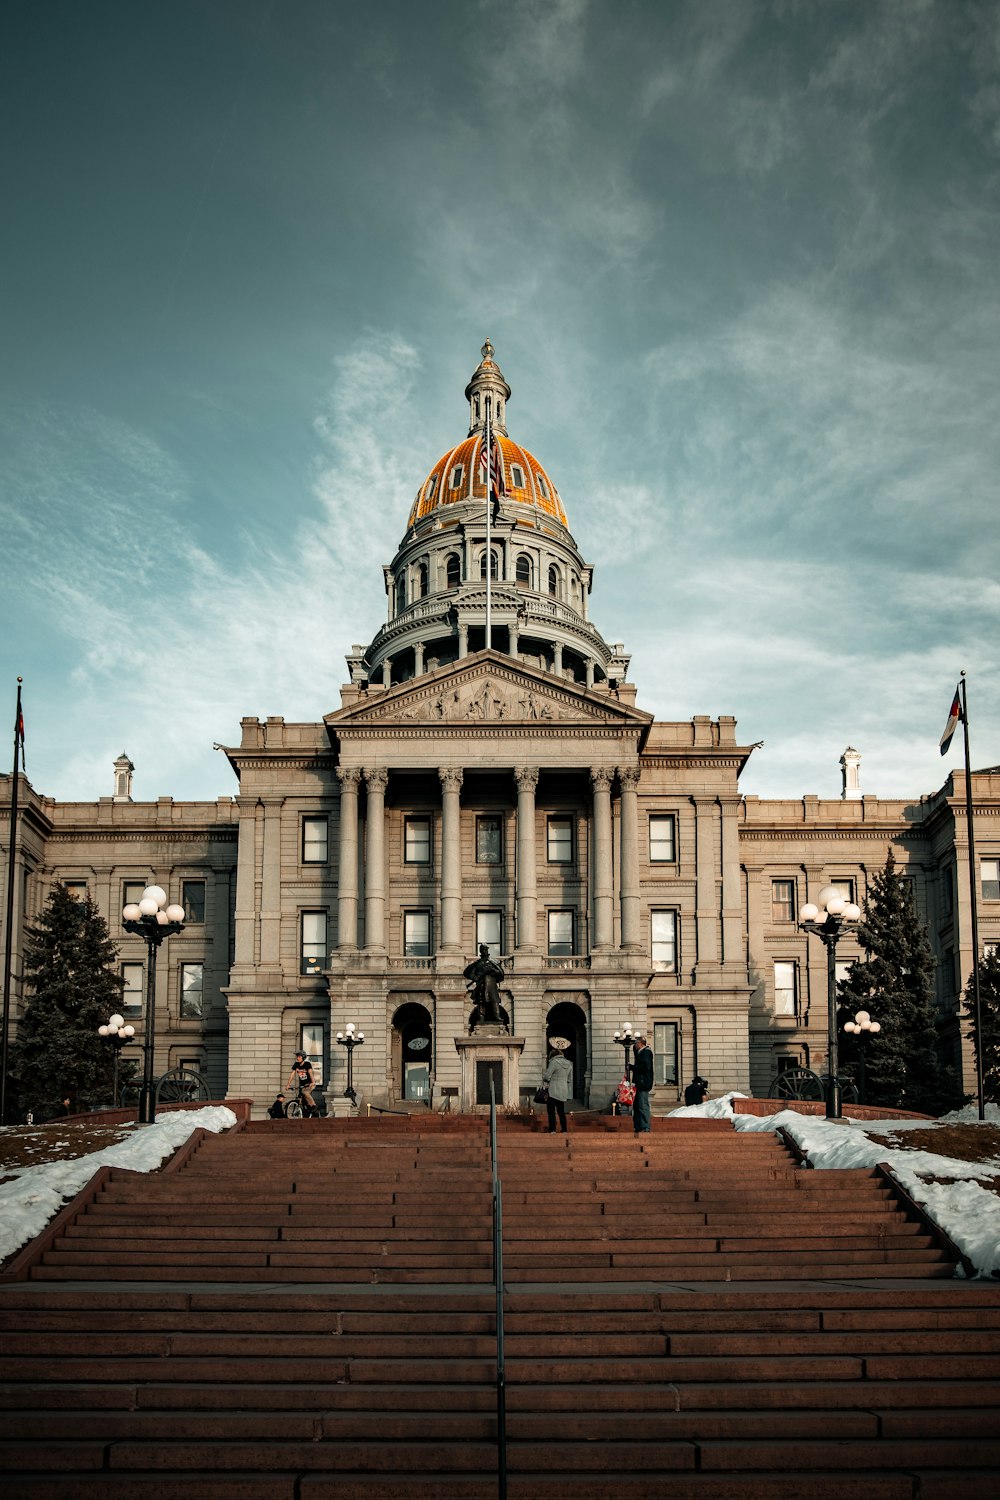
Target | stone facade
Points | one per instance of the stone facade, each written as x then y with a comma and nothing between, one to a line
489,777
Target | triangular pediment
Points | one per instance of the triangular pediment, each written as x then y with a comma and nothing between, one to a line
487,689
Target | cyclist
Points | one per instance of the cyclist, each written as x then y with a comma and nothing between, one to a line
302,1076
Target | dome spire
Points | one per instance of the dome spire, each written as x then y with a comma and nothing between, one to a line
487,390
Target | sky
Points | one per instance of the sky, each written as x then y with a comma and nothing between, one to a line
958,1195
739,261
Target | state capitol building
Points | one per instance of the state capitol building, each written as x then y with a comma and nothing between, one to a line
491,777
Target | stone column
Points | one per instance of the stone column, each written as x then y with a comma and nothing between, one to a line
600,781
525,899
590,671
376,779
387,672
628,776
418,658
733,951
246,904
270,890
557,661
514,639
706,842
463,640
451,859
347,869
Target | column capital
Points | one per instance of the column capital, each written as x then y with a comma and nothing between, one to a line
376,778
629,777
451,778
349,777
526,778
601,779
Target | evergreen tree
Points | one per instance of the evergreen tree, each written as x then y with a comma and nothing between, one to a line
894,982
989,1011
70,966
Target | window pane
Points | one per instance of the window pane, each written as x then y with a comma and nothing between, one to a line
193,900
134,976
662,839
522,572
665,1051
663,933
489,930
785,988
990,871
78,888
192,980
312,1041
418,841
560,933
417,934
489,846
783,900
845,886
313,956
560,841
132,892
315,837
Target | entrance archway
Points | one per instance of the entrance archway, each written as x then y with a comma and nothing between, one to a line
568,1019
412,1053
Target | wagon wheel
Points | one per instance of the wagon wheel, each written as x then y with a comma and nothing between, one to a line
796,1083
181,1086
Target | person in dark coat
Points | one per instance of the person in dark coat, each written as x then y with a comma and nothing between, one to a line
277,1110
642,1077
558,1079
696,1091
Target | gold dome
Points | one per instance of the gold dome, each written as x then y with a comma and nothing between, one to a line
457,478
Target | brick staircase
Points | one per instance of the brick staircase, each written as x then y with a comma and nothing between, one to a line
630,1362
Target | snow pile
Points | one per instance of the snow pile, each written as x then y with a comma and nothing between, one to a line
31,1198
967,1212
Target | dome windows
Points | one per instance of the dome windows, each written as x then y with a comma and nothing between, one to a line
543,488
457,475
494,564
453,570
430,487
523,571
517,476
555,582
422,583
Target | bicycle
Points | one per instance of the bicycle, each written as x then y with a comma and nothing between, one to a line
297,1109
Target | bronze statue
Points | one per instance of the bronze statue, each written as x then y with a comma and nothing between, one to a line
482,976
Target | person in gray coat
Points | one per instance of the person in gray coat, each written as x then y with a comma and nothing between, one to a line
558,1079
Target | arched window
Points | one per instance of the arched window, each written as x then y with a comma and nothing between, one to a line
523,571
494,565
453,570
422,580
553,580
400,593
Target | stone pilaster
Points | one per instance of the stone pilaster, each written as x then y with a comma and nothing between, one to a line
376,780
628,777
347,871
451,859
525,895
600,781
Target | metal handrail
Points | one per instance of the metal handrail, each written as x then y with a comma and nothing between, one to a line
498,1286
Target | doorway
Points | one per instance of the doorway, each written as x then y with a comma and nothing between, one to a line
568,1020
412,1053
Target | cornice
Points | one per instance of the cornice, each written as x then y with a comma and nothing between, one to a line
857,832
97,833
396,730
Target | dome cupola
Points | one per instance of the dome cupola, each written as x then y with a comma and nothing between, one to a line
487,394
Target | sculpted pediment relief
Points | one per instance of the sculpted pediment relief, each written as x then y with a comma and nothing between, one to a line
487,693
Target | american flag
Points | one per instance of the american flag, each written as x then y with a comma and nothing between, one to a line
19,729
491,462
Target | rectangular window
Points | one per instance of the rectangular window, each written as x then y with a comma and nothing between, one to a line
77,888
665,1052
989,949
417,841
134,980
132,892
663,940
782,900
193,900
949,891
489,930
312,1041
845,885
192,991
662,839
313,951
489,841
417,934
989,870
315,841
560,841
841,970
561,933
785,988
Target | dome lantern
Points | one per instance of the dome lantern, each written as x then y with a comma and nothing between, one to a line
487,391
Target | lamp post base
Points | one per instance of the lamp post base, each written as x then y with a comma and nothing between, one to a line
834,1110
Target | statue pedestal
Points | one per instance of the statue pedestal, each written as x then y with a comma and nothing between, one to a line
489,1050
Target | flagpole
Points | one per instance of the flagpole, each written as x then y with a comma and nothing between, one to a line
487,437
8,946
973,894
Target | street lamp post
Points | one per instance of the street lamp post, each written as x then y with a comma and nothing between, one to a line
830,919
119,1034
150,918
862,1027
626,1040
350,1038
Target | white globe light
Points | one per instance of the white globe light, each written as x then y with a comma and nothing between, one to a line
861,1017
162,920
835,906
361,1036
103,1030
874,1027
175,913
852,911
340,1036
127,1032
830,893
156,893
116,1021
148,907
850,1026
350,1027
131,913
809,912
